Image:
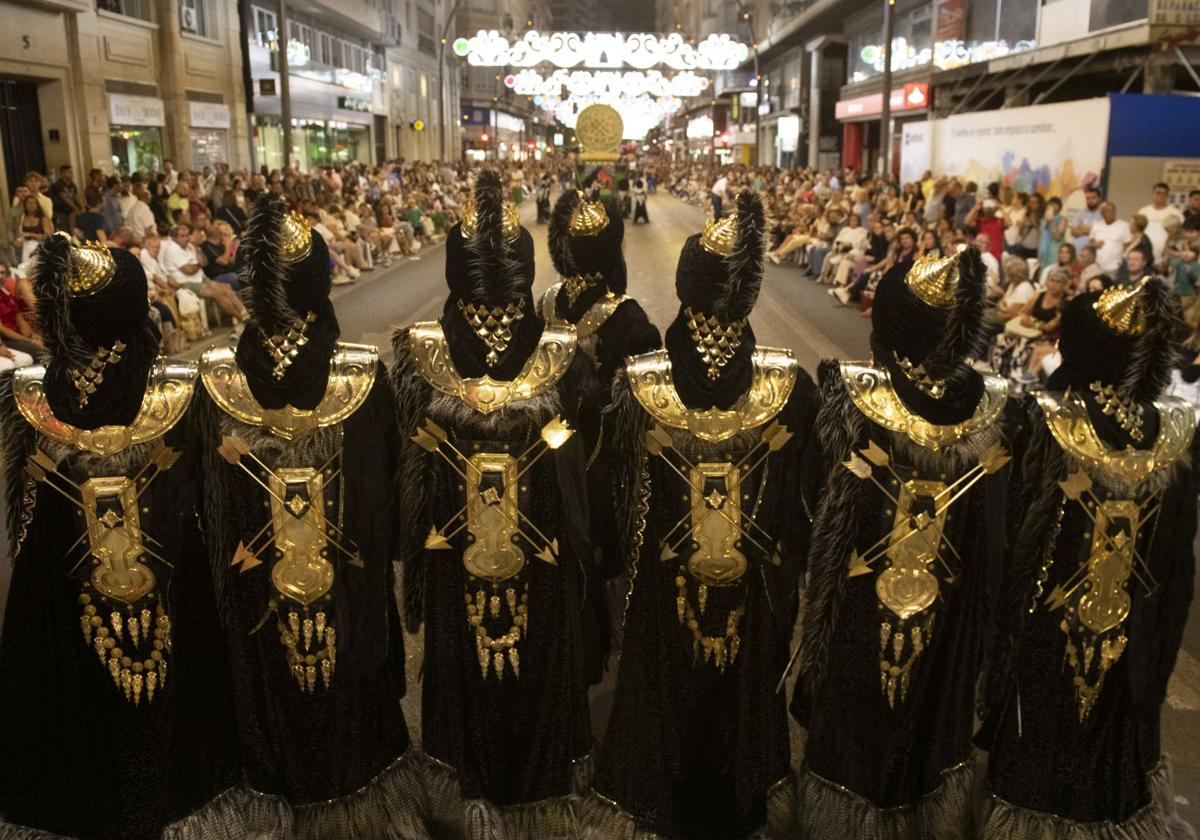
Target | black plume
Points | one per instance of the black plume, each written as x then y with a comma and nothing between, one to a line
53,267
560,233
261,270
746,261
494,271
963,336
1149,370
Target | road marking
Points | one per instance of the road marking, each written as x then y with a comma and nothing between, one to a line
1183,690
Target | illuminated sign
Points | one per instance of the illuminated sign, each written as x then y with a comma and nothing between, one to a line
912,97
944,54
638,113
590,83
701,128
601,50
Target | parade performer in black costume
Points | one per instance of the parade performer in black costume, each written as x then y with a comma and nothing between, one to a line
301,445
904,565
1099,583
585,246
494,536
712,460
114,698
543,199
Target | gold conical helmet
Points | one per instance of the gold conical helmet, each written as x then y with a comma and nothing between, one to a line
1122,308
588,218
934,280
719,235
510,222
91,266
295,240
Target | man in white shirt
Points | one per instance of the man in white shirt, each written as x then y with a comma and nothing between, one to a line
170,176
1082,220
139,216
1109,237
179,259
1157,212
983,244
719,188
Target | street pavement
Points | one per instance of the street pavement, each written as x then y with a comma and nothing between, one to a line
792,312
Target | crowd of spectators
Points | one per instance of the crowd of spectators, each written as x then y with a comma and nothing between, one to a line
845,231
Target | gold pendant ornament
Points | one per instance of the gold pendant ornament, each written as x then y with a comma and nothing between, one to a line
915,549
716,341
286,347
917,375
774,376
1128,414
544,368
493,325
351,378
88,378
577,285
496,529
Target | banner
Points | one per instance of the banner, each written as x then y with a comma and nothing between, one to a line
1053,149
916,150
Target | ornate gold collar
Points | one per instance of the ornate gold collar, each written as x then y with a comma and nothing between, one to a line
775,373
549,361
351,377
168,392
592,320
871,390
1067,418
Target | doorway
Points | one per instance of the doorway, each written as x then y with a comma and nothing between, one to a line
20,130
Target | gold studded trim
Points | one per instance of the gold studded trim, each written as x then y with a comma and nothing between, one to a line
549,361
590,321
871,390
351,377
168,392
775,372
1067,418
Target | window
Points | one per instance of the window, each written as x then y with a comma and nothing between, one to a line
1106,13
425,32
265,26
139,9
194,16
327,49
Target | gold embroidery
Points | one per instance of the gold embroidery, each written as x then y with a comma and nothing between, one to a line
591,321
719,235
351,377
493,325
545,367
775,374
716,341
1067,418
1128,414
871,390
919,377
285,348
168,393
88,378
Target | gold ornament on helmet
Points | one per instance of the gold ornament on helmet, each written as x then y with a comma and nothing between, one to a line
91,267
588,218
719,235
934,280
1122,310
510,223
295,241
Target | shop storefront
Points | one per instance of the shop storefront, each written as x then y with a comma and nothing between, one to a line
860,115
135,133
209,138
314,142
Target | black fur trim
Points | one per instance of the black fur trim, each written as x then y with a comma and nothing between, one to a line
495,272
627,459
412,395
16,442
1149,370
746,261
559,233
963,336
261,270
52,267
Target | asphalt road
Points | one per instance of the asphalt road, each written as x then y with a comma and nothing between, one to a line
791,312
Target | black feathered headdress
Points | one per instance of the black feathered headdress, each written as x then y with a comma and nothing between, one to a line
489,256
585,240
720,270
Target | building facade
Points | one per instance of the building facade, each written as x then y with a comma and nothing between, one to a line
120,85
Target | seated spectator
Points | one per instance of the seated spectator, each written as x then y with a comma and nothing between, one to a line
230,213
217,253
180,260
34,227
1016,293
18,327
1086,268
1066,259
1018,352
89,225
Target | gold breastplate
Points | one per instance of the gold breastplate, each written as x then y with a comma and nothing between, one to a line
591,321
544,368
123,615
775,374
351,377
168,393
871,390
1095,599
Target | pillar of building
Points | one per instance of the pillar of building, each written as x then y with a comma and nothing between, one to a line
171,88
1160,73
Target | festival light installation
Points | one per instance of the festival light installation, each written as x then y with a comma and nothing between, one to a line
601,50
629,83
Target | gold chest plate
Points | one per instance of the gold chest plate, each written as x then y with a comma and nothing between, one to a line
351,377
716,516
550,360
871,390
775,374
908,587
1105,603
492,514
590,321
302,573
168,393
115,536
1067,418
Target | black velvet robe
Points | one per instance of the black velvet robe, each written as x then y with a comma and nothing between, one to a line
1042,757
310,748
76,758
872,769
693,751
518,741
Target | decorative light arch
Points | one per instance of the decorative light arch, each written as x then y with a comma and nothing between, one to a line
628,83
601,51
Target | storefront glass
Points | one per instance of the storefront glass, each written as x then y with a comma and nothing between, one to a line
268,145
136,149
210,146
